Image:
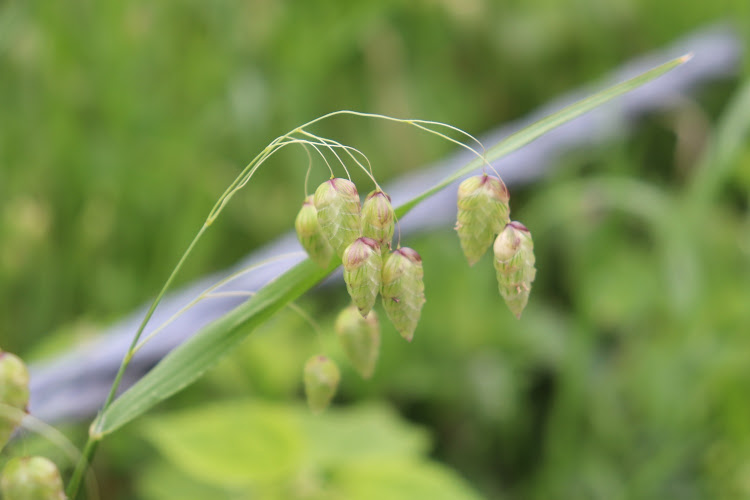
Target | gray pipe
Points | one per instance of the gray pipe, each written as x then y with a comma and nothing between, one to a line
73,385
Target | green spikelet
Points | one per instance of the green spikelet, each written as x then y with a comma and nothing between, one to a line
337,202
514,263
483,211
360,338
14,392
378,219
321,381
310,234
363,268
403,290
31,478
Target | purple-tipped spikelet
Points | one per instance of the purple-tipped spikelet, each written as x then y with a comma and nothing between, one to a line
31,478
363,268
403,290
483,211
321,378
378,219
311,235
514,263
360,338
337,202
14,392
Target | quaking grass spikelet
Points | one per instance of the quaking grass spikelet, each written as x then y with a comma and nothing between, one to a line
31,478
14,392
378,219
483,211
337,203
311,235
360,339
363,267
514,263
321,379
403,290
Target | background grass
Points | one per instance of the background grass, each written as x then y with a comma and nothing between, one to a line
122,122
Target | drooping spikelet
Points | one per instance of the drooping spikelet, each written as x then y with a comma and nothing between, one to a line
337,203
360,338
14,392
311,235
378,219
31,478
321,378
483,211
514,263
403,290
363,268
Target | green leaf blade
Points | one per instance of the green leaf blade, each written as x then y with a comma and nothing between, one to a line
187,362
536,130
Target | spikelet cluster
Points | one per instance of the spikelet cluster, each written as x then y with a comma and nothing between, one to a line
403,290
332,221
338,211
310,234
321,377
363,267
514,263
14,392
483,213
31,478
360,338
378,219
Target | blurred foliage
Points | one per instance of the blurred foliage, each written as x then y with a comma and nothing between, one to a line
627,377
283,451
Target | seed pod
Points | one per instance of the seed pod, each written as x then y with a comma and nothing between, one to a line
311,235
483,211
363,268
14,392
514,263
321,381
360,338
337,202
31,478
403,290
378,219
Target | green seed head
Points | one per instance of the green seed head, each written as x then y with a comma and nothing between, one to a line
378,219
403,290
31,478
363,268
321,381
337,203
14,392
360,338
514,263
483,211
311,235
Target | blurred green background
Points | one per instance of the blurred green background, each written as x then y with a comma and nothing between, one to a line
122,122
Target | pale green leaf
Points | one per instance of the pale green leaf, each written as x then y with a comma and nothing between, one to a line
377,430
401,480
230,443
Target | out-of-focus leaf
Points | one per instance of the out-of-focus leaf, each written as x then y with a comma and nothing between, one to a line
360,433
159,481
248,442
230,443
378,480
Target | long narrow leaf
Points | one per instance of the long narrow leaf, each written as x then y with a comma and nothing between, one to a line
190,360
536,130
